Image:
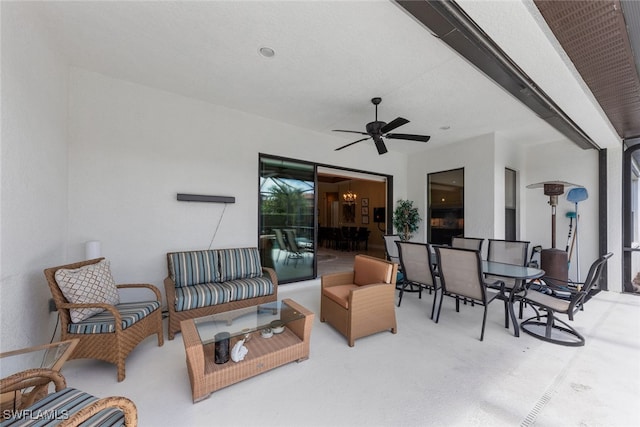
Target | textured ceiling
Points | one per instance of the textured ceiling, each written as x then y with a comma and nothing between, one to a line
331,59
595,35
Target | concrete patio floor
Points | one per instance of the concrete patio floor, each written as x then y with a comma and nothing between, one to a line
427,374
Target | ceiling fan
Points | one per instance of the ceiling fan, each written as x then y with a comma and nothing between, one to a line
377,130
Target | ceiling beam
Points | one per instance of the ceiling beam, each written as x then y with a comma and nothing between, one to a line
447,21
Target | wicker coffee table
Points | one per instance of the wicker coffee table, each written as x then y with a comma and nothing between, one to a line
199,336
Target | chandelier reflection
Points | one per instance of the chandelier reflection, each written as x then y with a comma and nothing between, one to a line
350,197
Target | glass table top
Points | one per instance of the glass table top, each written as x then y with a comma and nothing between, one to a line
509,270
51,356
273,315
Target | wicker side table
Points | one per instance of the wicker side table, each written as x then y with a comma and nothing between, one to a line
264,353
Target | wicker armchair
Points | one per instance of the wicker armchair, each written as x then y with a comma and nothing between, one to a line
55,409
130,323
360,302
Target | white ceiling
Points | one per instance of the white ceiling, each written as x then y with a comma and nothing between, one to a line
331,59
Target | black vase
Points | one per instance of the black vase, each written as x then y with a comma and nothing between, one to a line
222,347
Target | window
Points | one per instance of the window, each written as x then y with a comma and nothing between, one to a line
510,203
446,206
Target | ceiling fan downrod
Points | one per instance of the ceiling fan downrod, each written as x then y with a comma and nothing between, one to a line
375,102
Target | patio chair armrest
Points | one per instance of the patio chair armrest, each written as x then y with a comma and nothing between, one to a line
272,275
336,279
562,285
127,407
32,378
152,288
371,298
70,305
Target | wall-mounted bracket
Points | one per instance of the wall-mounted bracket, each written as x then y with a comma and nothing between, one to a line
203,198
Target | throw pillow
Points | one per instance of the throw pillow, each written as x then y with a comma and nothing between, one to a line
88,284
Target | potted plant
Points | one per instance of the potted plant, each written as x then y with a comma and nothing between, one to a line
406,219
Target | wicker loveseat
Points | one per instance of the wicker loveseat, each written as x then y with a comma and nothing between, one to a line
205,282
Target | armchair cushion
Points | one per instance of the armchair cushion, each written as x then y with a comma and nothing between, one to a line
104,322
86,285
340,294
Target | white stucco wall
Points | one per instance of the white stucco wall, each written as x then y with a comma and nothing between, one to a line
476,157
33,175
133,148
484,160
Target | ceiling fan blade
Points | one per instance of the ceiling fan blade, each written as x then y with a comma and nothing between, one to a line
350,131
395,123
420,138
380,145
350,144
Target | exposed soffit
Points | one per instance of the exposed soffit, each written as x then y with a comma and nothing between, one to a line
449,22
600,38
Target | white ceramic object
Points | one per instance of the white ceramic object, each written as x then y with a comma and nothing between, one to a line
239,351
277,326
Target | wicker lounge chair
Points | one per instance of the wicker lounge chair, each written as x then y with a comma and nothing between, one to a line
112,334
66,407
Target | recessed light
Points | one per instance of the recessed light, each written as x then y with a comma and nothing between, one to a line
267,52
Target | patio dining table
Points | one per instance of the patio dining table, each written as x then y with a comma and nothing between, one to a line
518,272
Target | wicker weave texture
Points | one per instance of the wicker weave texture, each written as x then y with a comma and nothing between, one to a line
109,347
264,354
371,307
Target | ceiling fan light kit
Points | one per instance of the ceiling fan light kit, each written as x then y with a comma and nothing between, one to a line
377,130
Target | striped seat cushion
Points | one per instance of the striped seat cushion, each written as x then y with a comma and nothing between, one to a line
239,263
250,288
104,322
209,294
194,267
59,406
202,295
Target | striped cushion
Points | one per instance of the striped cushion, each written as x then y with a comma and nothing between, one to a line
194,268
202,295
101,323
239,263
209,294
249,288
59,406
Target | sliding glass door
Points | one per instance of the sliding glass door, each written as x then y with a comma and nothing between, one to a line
287,217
